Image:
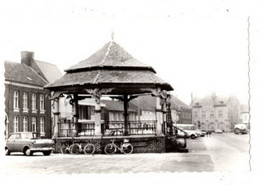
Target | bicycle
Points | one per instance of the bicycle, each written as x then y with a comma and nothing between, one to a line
77,148
125,147
65,148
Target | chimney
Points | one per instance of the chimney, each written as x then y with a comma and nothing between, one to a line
27,57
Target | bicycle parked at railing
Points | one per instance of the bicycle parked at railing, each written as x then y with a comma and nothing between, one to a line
77,148
65,148
125,147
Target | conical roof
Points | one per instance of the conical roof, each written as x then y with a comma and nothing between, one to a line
111,55
110,67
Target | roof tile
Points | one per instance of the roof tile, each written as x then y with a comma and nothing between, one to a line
110,55
22,73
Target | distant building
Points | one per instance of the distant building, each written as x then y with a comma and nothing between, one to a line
184,112
180,112
244,114
212,112
113,113
27,104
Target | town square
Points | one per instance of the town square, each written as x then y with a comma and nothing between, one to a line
98,88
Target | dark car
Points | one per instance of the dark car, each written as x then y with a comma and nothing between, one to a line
241,128
28,143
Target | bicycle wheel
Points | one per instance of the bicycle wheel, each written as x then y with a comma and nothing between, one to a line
127,148
64,149
74,149
89,148
110,149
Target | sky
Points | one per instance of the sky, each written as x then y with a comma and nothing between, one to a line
198,47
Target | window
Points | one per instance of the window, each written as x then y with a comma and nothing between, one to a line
220,113
111,116
116,116
12,136
85,112
25,102
16,101
42,104
42,124
195,114
211,113
203,114
121,116
34,102
16,124
25,124
33,124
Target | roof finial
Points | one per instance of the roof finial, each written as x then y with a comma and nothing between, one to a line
112,36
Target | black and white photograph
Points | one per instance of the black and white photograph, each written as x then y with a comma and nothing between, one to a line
129,92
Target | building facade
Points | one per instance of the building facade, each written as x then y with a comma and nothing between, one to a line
27,103
212,113
145,105
244,115
181,112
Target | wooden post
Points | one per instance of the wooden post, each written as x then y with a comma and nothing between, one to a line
169,120
56,113
164,117
159,116
96,94
97,117
76,113
126,114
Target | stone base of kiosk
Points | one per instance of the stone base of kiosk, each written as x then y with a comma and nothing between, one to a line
141,144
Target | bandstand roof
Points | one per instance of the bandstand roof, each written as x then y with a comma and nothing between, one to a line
110,67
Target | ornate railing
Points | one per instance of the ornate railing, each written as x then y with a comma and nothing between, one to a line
68,130
115,128
143,127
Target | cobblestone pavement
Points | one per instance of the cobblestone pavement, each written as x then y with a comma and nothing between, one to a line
206,154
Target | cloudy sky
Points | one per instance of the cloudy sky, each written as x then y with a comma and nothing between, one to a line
197,47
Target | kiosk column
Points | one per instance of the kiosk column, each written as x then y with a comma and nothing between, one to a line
56,114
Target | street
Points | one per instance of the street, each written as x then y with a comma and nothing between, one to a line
225,152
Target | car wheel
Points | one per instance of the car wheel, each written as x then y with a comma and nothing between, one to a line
46,152
236,131
192,136
28,152
7,152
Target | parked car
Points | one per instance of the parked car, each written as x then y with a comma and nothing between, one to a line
201,133
218,131
189,129
28,143
241,128
189,133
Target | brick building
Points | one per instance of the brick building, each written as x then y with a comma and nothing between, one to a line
27,104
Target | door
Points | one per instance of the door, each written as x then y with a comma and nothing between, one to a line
17,143
10,142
